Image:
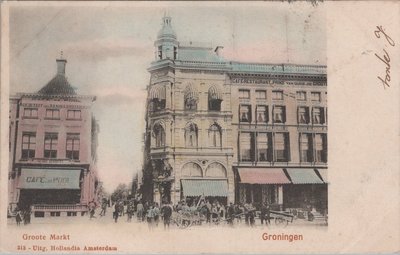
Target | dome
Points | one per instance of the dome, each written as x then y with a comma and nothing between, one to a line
166,30
59,85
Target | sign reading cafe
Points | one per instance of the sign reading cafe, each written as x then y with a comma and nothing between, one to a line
49,178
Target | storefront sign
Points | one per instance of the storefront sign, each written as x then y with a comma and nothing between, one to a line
49,178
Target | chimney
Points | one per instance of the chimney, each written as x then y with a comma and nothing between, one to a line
219,50
61,66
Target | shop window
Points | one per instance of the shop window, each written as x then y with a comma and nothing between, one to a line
262,114
73,146
306,148
261,94
301,95
282,147
50,145
246,147
316,96
159,135
244,94
74,114
31,113
39,214
318,115
214,135
264,147
303,115
52,114
28,145
55,214
191,134
320,148
72,214
279,114
245,113
277,95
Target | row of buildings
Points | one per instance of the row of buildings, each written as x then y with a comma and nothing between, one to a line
233,131
52,150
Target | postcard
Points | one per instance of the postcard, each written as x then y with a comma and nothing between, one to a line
200,127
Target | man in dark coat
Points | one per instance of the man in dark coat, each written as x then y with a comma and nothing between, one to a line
166,212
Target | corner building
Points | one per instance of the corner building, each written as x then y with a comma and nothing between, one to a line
53,142
232,131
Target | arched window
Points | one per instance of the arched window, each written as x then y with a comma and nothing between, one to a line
191,170
191,133
214,99
191,98
159,135
215,136
157,98
216,170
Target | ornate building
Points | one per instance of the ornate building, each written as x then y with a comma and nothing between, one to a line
232,131
53,143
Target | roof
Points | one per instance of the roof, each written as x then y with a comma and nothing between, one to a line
59,85
263,176
206,187
303,176
198,54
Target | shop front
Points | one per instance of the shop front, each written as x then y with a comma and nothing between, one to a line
50,190
210,189
261,185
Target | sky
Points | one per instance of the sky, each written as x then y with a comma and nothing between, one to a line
109,47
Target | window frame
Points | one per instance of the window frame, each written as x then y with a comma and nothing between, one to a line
242,91
51,137
31,110
73,154
52,114
74,117
31,150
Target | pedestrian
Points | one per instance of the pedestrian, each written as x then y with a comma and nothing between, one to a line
209,207
166,212
150,217
116,211
92,208
103,208
18,217
27,216
139,211
156,213
263,214
268,216
129,211
230,214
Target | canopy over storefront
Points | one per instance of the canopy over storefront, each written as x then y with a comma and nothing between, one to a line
263,176
303,176
38,178
212,188
324,174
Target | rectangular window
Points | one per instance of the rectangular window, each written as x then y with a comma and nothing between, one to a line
263,147
52,114
279,114
261,94
277,95
318,115
246,147
262,114
316,96
50,145
301,95
74,114
320,148
245,113
306,148
28,145
73,146
281,147
31,113
244,93
303,115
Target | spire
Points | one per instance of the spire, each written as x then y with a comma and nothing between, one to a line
61,63
166,30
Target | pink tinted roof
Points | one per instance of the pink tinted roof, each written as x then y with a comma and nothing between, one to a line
263,176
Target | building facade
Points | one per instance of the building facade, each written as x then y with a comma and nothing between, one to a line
232,131
53,143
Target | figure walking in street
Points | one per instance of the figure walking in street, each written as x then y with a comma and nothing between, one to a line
166,212
150,217
129,211
139,211
18,217
92,208
156,213
116,211
103,207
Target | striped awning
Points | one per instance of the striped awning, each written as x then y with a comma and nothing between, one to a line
157,92
324,174
191,92
303,176
263,176
212,188
214,93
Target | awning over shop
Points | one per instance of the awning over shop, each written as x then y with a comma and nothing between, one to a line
213,188
263,176
324,174
303,176
36,178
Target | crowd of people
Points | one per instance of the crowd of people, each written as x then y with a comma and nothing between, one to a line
207,211
23,215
